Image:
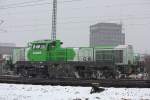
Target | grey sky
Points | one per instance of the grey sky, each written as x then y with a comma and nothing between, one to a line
26,23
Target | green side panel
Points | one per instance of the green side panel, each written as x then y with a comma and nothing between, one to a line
37,55
62,54
57,54
70,54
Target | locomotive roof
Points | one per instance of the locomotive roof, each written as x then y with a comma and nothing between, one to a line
42,41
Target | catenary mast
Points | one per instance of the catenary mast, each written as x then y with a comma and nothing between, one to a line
54,21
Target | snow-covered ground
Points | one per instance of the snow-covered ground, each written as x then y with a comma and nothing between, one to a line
37,92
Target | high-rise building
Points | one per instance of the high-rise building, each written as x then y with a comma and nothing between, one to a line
106,34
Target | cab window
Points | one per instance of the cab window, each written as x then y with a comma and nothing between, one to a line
39,46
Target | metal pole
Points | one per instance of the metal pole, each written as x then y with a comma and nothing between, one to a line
54,20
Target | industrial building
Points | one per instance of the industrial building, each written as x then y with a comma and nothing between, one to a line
6,49
6,53
7,45
106,34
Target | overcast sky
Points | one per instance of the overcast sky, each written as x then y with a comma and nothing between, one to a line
22,21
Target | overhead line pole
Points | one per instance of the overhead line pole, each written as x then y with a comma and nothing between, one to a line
54,21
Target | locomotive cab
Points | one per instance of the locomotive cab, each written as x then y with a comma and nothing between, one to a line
40,50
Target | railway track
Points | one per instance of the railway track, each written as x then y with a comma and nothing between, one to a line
76,82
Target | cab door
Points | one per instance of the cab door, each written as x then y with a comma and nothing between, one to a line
39,52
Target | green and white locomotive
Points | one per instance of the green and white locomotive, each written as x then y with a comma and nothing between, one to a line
46,58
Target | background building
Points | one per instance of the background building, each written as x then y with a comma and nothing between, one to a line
6,49
6,53
7,44
106,34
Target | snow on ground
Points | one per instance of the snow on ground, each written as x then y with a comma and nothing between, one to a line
38,92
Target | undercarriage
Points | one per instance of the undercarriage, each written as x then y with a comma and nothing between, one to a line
54,70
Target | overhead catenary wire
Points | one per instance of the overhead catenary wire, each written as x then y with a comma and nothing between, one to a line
27,2
29,5
75,24
45,11
68,29
32,3
43,4
84,21
127,4
37,3
71,18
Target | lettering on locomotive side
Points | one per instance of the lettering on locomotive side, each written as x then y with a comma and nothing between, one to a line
37,53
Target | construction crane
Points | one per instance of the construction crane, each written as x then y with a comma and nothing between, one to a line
54,21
